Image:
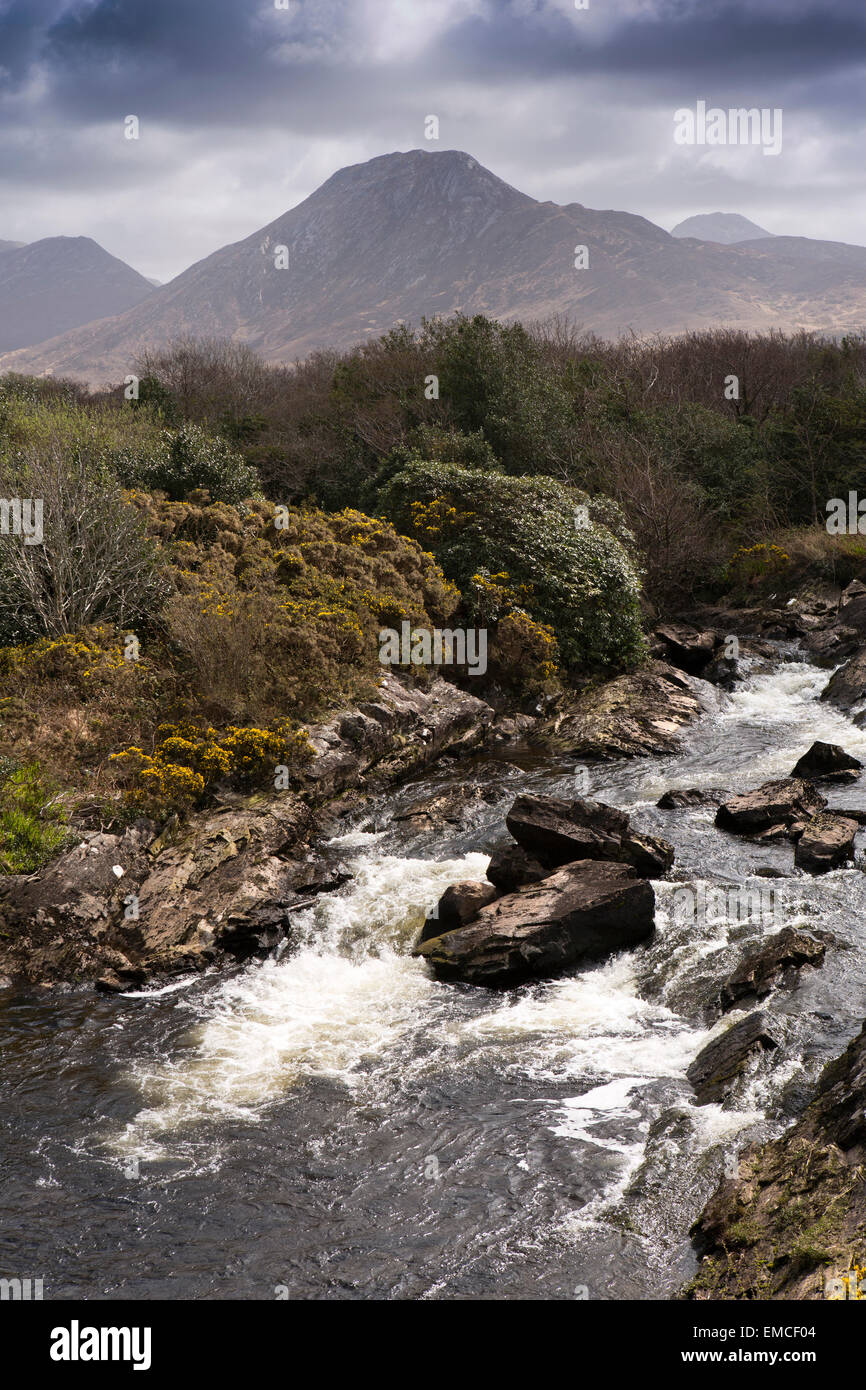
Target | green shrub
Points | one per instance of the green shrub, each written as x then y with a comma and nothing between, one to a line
577,578
31,823
184,461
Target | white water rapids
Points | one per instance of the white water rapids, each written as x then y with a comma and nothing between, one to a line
428,1140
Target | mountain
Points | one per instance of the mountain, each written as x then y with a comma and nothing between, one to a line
728,228
59,283
423,233
9,246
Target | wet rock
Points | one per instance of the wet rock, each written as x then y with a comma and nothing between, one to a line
680,797
644,712
827,762
459,904
723,671
852,607
780,956
454,806
717,1066
791,1224
846,688
583,911
511,868
404,729
772,810
556,832
826,842
827,646
686,647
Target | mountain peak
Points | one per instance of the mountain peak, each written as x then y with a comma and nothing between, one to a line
727,228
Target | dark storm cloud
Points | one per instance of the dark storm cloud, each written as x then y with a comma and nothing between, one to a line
246,108
700,40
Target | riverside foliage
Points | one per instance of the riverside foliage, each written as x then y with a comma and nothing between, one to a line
221,555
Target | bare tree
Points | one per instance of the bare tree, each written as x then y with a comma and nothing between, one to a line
94,562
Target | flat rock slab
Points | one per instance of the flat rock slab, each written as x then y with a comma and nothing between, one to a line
584,911
717,1066
764,968
774,809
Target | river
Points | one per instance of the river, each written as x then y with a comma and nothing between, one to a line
332,1123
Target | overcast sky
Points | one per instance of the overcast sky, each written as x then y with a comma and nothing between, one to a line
245,109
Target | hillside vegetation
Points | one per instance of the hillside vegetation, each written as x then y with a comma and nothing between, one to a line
221,554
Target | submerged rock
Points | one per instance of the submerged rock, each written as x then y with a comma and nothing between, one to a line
763,969
556,832
680,797
717,1066
826,842
827,762
775,809
584,911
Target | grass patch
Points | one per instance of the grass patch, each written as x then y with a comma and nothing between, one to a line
32,824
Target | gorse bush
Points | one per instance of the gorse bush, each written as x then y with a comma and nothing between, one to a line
577,578
281,610
189,760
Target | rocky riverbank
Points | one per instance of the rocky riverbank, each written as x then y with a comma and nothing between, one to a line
221,886
118,909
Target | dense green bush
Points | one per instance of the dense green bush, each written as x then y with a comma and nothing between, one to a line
185,460
530,534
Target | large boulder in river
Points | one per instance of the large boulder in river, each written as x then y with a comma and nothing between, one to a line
852,606
641,712
582,912
827,762
846,688
458,905
555,832
826,843
773,810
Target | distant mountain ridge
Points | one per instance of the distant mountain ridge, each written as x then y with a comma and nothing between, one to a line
59,283
426,233
728,228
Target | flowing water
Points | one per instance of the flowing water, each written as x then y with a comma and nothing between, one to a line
333,1123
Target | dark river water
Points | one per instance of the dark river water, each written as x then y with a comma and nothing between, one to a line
334,1124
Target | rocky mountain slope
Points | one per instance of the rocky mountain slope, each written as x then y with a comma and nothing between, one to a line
422,233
